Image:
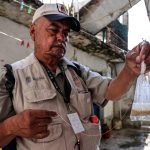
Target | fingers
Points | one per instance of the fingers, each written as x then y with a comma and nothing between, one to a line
144,51
136,49
29,118
132,54
39,132
42,117
42,122
43,113
140,52
31,123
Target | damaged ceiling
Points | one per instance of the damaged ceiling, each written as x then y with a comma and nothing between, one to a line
97,14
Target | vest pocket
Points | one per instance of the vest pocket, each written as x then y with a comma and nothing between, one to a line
39,95
84,105
90,138
40,99
55,133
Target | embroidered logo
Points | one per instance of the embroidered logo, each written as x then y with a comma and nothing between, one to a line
28,79
38,78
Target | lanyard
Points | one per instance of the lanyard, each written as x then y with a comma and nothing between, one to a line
67,87
66,94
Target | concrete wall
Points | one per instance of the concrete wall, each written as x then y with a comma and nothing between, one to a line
95,63
10,45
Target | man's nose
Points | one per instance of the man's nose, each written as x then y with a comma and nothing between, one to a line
61,37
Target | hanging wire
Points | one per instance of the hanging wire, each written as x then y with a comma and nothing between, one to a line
3,33
10,36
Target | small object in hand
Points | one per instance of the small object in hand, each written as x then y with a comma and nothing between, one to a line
94,119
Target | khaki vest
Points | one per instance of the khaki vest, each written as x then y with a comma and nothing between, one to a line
34,90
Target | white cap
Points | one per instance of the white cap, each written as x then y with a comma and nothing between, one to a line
56,12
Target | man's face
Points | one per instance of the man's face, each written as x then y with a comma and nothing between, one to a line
50,39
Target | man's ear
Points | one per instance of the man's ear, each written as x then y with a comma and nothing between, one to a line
32,32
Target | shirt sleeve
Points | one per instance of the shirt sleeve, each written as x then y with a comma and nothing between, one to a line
6,106
96,84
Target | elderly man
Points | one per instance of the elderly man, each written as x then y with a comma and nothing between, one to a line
51,104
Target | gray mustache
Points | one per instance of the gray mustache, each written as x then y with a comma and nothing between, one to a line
59,45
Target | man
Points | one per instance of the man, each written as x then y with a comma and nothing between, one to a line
50,98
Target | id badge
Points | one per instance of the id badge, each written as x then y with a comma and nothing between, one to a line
75,123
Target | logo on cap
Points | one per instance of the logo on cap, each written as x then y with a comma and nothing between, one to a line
62,8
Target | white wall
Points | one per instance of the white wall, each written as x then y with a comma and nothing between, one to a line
10,48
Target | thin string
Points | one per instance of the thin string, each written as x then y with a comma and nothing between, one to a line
64,120
71,126
68,124
124,116
3,33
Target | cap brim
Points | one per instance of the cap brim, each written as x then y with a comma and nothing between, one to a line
73,22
